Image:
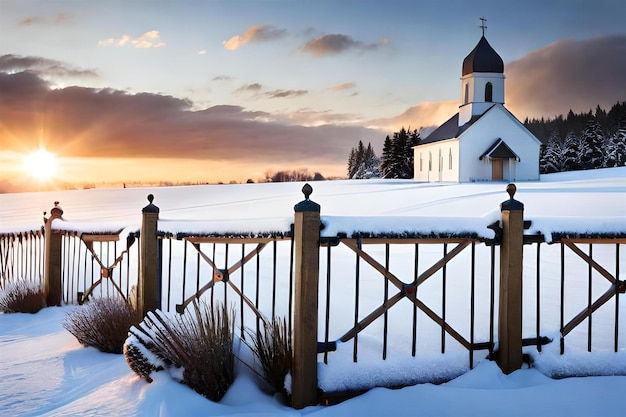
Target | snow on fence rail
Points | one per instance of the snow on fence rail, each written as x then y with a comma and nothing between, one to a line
410,285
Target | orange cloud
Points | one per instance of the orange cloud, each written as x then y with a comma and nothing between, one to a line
422,115
342,87
254,34
151,39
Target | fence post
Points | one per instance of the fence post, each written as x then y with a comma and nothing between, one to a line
510,311
53,286
307,244
149,285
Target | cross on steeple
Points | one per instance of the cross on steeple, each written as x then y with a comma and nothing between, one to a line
482,26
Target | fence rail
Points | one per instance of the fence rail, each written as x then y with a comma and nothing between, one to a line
405,295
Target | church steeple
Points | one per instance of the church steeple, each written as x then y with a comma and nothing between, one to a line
482,80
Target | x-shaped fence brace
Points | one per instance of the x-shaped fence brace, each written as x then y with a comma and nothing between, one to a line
106,272
406,290
223,275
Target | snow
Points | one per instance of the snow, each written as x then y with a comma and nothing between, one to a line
555,204
44,371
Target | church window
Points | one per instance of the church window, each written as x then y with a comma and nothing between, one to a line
489,92
450,158
430,161
421,162
466,95
440,161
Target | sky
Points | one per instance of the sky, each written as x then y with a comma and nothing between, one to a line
209,91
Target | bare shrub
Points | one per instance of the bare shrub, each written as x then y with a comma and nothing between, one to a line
272,349
102,323
22,296
200,343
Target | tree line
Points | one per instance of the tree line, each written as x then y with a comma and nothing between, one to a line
396,160
582,141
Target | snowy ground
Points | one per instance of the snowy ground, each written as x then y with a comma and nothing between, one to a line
44,371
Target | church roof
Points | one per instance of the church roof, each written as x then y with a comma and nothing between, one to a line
483,58
449,129
499,149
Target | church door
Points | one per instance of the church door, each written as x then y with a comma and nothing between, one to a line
496,169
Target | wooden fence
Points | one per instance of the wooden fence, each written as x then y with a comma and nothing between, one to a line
399,285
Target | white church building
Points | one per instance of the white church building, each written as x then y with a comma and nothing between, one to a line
483,141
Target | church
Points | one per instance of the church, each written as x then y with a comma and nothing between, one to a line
483,141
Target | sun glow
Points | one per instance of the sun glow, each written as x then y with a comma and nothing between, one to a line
41,164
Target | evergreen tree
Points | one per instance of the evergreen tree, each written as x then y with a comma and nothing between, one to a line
591,141
571,154
398,159
551,157
355,159
363,162
413,140
369,166
615,150
352,163
385,159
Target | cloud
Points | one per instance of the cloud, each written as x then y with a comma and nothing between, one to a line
151,39
33,20
43,66
422,115
254,34
57,19
286,93
568,74
311,117
342,87
202,52
247,88
257,88
107,123
337,43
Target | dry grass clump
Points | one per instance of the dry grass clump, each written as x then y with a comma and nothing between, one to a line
198,342
22,296
272,349
102,323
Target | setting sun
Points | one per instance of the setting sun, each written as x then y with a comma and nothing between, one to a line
41,164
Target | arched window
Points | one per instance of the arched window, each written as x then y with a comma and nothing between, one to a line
421,162
450,158
440,161
466,95
489,92
430,161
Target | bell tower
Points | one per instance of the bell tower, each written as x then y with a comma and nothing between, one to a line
482,79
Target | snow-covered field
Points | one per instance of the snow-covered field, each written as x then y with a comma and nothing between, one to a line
44,371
